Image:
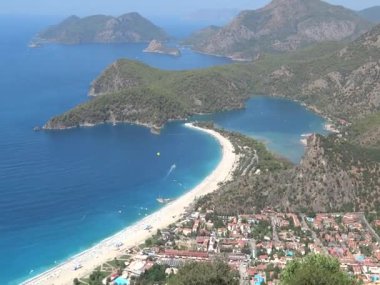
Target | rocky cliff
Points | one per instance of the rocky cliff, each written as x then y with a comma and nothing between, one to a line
334,175
156,46
283,25
344,84
128,28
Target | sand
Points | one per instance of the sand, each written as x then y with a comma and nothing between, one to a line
136,234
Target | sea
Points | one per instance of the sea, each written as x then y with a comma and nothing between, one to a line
63,191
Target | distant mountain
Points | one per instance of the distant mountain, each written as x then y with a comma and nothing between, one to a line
283,25
158,47
338,173
343,84
128,28
340,81
371,14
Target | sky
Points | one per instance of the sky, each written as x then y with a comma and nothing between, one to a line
145,7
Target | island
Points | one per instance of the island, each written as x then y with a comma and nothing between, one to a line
338,80
254,206
156,46
334,79
127,28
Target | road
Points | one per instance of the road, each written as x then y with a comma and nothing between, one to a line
314,235
370,229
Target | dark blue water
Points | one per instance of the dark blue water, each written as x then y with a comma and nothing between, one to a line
279,123
61,192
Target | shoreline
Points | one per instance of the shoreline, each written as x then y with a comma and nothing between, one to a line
136,234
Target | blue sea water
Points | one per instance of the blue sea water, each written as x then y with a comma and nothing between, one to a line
61,192
279,123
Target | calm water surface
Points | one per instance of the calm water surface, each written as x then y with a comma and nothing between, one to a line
61,192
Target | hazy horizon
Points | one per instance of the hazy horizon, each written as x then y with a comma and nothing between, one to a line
164,8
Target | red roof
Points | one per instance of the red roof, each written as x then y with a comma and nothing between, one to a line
185,253
251,271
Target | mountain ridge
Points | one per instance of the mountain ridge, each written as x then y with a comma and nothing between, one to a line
280,26
127,28
371,14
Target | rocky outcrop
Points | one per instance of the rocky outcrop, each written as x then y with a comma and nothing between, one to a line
333,176
283,25
128,28
156,46
343,84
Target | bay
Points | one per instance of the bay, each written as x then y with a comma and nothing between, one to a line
61,192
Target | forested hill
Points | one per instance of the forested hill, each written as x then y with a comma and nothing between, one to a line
334,175
129,91
281,26
128,28
341,81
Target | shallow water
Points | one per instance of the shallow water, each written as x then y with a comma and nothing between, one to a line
61,192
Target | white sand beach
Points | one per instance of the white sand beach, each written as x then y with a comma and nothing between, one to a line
136,234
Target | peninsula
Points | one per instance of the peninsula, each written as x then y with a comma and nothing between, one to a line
338,80
156,46
128,28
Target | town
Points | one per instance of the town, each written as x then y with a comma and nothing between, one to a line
258,246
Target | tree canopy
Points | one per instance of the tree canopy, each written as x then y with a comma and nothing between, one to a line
203,273
315,270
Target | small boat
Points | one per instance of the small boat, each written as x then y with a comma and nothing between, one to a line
37,128
34,45
163,200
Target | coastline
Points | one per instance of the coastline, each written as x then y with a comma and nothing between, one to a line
136,234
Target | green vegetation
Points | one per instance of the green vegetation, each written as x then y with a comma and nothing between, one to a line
366,132
154,276
96,277
253,33
203,273
144,95
155,240
102,29
333,176
133,92
337,174
316,270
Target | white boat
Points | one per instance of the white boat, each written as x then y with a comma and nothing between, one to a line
163,200
34,45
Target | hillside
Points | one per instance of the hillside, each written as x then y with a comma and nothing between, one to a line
342,84
159,47
371,14
339,81
282,25
334,175
129,91
128,28
366,131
